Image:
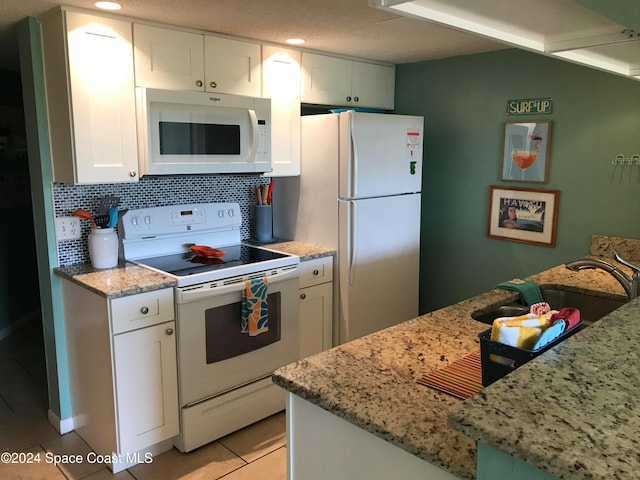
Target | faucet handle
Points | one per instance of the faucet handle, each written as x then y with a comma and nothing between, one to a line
619,259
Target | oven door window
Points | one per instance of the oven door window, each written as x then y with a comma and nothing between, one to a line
223,335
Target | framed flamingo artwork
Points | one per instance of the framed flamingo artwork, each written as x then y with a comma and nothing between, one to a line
525,151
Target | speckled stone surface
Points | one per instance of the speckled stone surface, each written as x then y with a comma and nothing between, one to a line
572,412
627,248
306,251
371,382
129,279
125,279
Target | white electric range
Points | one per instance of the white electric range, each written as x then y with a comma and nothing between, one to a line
223,374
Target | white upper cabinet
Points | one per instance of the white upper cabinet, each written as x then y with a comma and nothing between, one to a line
88,63
336,81
232,66
281,83
168,59
176,60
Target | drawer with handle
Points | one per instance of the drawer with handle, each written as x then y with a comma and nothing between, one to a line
141,310
315,272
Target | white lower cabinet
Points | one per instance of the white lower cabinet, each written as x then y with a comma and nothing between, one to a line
146,390
316,305
124,385
321,445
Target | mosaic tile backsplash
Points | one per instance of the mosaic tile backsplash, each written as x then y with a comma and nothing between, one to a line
153,192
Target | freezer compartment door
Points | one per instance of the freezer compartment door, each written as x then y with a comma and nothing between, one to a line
380,154
379,256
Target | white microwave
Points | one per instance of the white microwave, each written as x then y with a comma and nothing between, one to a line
182,132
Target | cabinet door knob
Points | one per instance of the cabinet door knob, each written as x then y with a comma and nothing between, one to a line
303,296
316,272
356,99
144,310
169,331
348,99
132,174
199,83
213,84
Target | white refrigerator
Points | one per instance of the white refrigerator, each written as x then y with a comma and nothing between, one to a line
359,193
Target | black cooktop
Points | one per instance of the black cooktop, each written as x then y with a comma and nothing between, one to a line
185,264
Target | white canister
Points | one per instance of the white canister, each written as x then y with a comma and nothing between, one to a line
103,248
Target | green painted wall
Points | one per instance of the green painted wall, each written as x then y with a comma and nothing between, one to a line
595,116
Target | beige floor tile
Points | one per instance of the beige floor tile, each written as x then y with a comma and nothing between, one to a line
32,471
105,474
71,445
26,430
25,395
259,439
270,467
11,371
206,463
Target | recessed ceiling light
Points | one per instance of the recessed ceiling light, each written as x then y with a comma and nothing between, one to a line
295,41
108,5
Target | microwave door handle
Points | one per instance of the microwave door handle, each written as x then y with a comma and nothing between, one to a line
254,135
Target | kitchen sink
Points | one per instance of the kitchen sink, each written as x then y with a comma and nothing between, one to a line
592,307
511,310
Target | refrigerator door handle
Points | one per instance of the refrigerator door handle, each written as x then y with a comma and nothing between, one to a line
353,241
354,158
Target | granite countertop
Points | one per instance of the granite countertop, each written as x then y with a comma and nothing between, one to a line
306,251
129,279
572,412
372,382
120,281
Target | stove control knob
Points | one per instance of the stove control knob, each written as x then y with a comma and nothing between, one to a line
221,213
147,219
135,221
231,213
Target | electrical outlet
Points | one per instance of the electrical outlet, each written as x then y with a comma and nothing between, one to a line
68,228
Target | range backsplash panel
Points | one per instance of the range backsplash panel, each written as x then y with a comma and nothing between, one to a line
153,192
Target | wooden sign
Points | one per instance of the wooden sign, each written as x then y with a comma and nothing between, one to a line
529,106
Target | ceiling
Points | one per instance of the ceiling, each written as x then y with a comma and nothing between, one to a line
347,27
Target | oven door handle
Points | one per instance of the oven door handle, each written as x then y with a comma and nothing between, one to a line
190,294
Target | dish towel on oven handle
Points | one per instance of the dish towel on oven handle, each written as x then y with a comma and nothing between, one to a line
255,309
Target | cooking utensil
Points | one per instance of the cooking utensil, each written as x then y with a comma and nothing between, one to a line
107,202
269,192
86,215
102,221
113,217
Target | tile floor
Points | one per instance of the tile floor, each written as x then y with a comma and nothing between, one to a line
256,452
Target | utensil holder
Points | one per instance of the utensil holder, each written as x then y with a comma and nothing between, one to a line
103,248
264,223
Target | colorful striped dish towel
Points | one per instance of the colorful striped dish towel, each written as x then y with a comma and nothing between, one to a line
255,309
521,331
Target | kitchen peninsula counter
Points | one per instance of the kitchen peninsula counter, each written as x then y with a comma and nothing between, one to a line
371,382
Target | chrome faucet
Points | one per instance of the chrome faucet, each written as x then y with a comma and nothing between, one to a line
631,284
